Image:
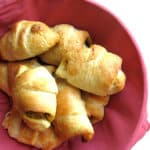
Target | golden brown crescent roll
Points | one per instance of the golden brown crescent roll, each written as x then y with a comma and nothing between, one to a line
34,96
94,70
9,71
27,39
33,90
71,118
17,129
95,106
71,39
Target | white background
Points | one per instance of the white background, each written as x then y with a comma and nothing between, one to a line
135,14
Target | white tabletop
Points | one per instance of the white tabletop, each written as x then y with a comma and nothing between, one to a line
135,14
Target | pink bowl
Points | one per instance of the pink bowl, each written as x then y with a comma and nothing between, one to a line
125,117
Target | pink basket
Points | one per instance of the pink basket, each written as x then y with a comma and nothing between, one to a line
125,116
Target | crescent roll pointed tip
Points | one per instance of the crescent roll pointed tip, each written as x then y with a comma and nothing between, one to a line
95,106
118,83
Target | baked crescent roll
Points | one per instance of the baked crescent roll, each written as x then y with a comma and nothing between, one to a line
71,39
33,90
9,71
95,106
71,118
94,70
27,39
34,96
17,129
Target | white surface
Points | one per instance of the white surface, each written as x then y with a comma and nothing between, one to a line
135,14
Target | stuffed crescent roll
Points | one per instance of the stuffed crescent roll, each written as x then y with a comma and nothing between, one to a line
71,118
70,40
34,96
17,129
27,39
94,70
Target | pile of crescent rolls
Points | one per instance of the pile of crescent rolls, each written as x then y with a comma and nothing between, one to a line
58,81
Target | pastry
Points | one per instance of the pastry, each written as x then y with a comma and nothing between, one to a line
17,129
33,90
94,70
9,71
27,39
95,106
71,39
71,118
34,96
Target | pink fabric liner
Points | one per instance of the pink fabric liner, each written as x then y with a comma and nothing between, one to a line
125,119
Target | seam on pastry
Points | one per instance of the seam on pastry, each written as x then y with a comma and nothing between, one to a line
35,90
44,40
23,39
26,42
17,29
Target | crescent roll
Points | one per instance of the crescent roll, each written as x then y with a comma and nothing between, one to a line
94,70
33,90
71,118
9,71
95,106
27,39
34,96
71,39
17,129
